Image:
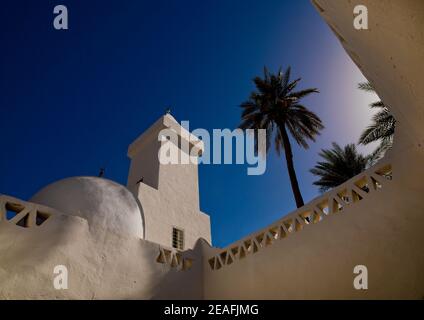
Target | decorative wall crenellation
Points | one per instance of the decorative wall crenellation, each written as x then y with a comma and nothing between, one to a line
332,202
174,258
21,213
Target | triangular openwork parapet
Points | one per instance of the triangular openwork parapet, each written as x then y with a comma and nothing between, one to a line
174,258
23,214
331,202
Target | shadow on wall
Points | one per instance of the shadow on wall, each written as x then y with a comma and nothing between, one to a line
24,227
178,283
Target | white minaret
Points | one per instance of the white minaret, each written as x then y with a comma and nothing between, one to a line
168,193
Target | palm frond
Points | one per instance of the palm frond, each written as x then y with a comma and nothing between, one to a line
377,104
366,86
303,93
338,165
382,128
286,78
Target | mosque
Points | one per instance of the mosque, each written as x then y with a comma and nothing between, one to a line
149,239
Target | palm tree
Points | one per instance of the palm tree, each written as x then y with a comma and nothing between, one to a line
275,107
338,165
382,127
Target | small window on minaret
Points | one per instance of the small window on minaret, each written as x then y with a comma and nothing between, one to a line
177,239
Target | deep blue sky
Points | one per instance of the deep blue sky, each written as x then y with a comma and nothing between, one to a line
71,101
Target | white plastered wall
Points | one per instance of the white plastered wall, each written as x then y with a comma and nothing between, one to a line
101,264
383,231
169,193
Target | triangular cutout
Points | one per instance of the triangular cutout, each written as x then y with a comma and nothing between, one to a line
376,184
248,245
12,210
289,225
334,206
343,196
317,217
378,178
325,210
306,217
255,247
224,256
179,258
167,255
229,260
283,232
360,191
160,258
338,204
268,239
356,196
218,264
298,225
174,261
41,218
260,238
24,221
212,263
274,233
242,253
10,214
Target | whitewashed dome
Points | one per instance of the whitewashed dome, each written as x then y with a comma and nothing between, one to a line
104,203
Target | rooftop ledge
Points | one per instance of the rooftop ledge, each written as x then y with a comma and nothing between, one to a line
329,203
165,122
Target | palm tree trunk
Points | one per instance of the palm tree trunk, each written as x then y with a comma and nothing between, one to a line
290,167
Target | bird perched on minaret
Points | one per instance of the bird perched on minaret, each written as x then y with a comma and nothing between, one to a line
168,110
102,172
